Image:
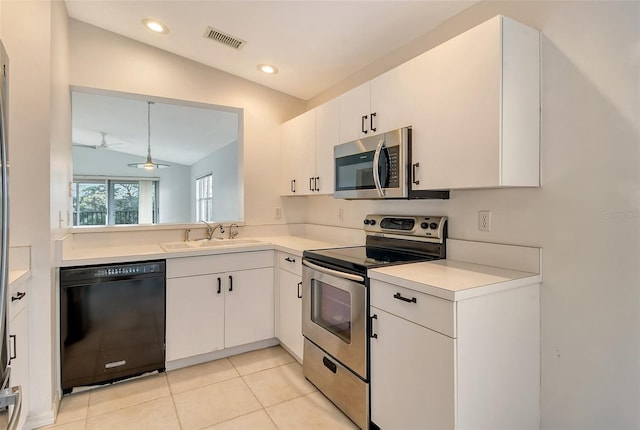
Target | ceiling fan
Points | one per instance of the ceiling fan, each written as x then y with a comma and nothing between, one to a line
103,144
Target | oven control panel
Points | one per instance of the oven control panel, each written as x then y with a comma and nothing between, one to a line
434,227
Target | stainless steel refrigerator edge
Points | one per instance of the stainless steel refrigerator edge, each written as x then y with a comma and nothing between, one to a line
10,397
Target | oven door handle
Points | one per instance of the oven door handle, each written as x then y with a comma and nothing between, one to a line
376,165
337,273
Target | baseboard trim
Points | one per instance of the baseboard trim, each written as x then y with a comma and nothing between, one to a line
223,353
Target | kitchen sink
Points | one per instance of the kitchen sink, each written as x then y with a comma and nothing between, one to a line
224,242
212,243
176,246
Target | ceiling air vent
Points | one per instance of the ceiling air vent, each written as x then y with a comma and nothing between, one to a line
227,39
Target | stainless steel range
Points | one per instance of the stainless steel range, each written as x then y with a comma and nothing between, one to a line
335,303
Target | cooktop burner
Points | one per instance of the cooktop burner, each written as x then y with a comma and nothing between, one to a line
390,240
363,256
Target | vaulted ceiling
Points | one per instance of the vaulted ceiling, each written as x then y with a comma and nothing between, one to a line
313,44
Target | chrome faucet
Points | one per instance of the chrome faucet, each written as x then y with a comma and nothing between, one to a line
233,234
211,229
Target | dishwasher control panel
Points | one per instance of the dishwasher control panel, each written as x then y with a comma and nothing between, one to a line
111,271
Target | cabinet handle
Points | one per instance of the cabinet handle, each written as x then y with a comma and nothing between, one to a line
14,340
18,296
317,183
230,283
311,184
371,318
414,166
219,285
290,260
371,122
364,118
404,299
293,185
299,290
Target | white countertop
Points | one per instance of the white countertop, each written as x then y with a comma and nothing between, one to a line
118,254
454,280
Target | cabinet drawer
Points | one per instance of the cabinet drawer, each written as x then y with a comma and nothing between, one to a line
290,263
207,264
428,311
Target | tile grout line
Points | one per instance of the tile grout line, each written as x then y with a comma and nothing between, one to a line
264,408
171,394
173,401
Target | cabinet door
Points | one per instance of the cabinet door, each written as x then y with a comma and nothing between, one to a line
457,111
354,105
327,136
391,99
412,375
249,306
290,312
19,348
297,148
477,109
195,316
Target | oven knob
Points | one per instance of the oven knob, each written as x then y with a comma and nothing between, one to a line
372,221
424,225
366,222
433,226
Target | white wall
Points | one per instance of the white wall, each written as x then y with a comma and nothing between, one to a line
227,183
585,216
175,183
35,36
142,69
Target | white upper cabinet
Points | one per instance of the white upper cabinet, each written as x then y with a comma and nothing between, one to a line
391,98
355,110
476,109
380,105
306,145
327,136
297,149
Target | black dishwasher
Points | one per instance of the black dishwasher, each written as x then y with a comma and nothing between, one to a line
112,322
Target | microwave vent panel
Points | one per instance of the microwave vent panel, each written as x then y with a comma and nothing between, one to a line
224,38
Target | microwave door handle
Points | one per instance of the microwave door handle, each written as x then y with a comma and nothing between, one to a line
376,172
337,273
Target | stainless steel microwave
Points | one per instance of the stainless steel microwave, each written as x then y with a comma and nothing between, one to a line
377,167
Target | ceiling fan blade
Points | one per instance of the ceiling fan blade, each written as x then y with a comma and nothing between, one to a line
82,145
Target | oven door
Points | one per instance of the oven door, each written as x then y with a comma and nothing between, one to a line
334,314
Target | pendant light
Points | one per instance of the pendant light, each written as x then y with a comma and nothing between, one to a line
149,164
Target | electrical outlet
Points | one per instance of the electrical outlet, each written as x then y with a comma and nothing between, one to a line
484,220
278,213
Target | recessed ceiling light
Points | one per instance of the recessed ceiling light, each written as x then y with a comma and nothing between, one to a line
155,25
268,69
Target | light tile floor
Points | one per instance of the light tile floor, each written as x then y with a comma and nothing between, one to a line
259,390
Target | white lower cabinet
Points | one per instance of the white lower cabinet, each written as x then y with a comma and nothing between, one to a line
19,345
412,375
249,307
466,364
209,309
195,316
289,299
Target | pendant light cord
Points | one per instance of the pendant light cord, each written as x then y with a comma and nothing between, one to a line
149,130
